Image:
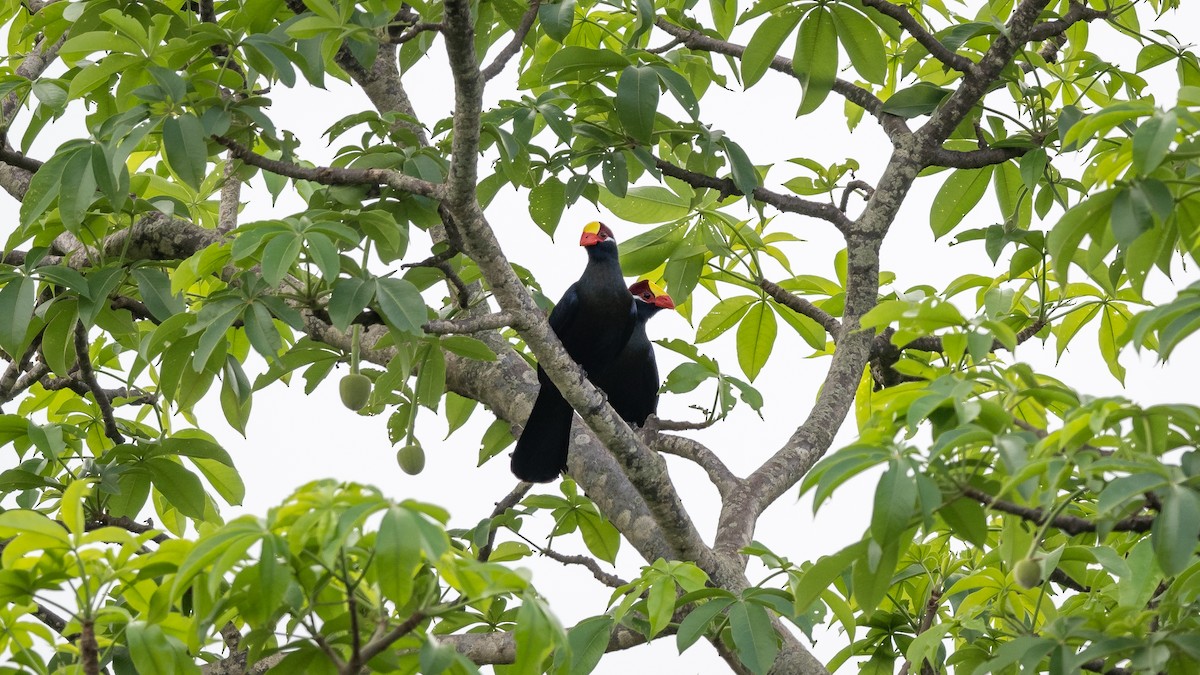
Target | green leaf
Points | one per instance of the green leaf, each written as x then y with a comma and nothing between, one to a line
754,638
180,487
44,186
185,148
469,347
764,45
279,255
648,250
637,101
1175,530
431,378
1086,217
154,286
547,200
816,58
808,587
1131,215
350,296
401,305
154,652
78,189
723,316
863,43
695,625
17,299
895,499
1153,139
745,176
755,338
646,205
556,19
600,536
397,554
533,635
458,411
920,99
959,194
589,642
581,63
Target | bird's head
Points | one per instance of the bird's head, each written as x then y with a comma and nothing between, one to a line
595,233
651,294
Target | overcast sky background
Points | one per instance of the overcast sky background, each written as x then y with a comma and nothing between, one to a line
293,438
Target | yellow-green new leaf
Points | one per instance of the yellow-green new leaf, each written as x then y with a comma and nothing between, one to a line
755,338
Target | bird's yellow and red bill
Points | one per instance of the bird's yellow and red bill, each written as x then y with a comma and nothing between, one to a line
594,233
652,293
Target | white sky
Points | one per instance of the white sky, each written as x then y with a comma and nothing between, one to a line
293,438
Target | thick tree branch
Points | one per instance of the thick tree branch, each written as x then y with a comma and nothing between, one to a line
514,46
473,324
974,159
329,175
644,468
921,34
978,80
785,203
231,193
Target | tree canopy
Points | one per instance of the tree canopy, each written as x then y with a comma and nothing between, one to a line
1016,525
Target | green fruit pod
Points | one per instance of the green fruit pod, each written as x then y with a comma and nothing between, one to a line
355,389
411,459
1028,573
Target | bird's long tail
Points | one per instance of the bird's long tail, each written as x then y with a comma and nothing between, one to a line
541,452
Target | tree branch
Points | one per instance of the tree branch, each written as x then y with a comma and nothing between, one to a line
803,307
1071,525
1076,12
894,127
922,35
510,500
473,324
610,580
88,375
376,646
514,46
329,175
785,203
974,159
693,450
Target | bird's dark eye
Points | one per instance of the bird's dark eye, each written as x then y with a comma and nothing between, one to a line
648,295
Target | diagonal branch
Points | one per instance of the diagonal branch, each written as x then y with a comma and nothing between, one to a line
894,127
803,307
687,448
88,375
785,203
921,34
514,46
330,175
473,324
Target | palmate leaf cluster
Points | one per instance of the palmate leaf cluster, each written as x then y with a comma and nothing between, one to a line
130,292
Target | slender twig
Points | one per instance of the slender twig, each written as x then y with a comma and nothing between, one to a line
803,307
1071,525
510,500
440,263
48,617
331,175
413,31
88,375
785,203
610,580
1077,12
376,646
514,46
895,127
931,611
96,521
